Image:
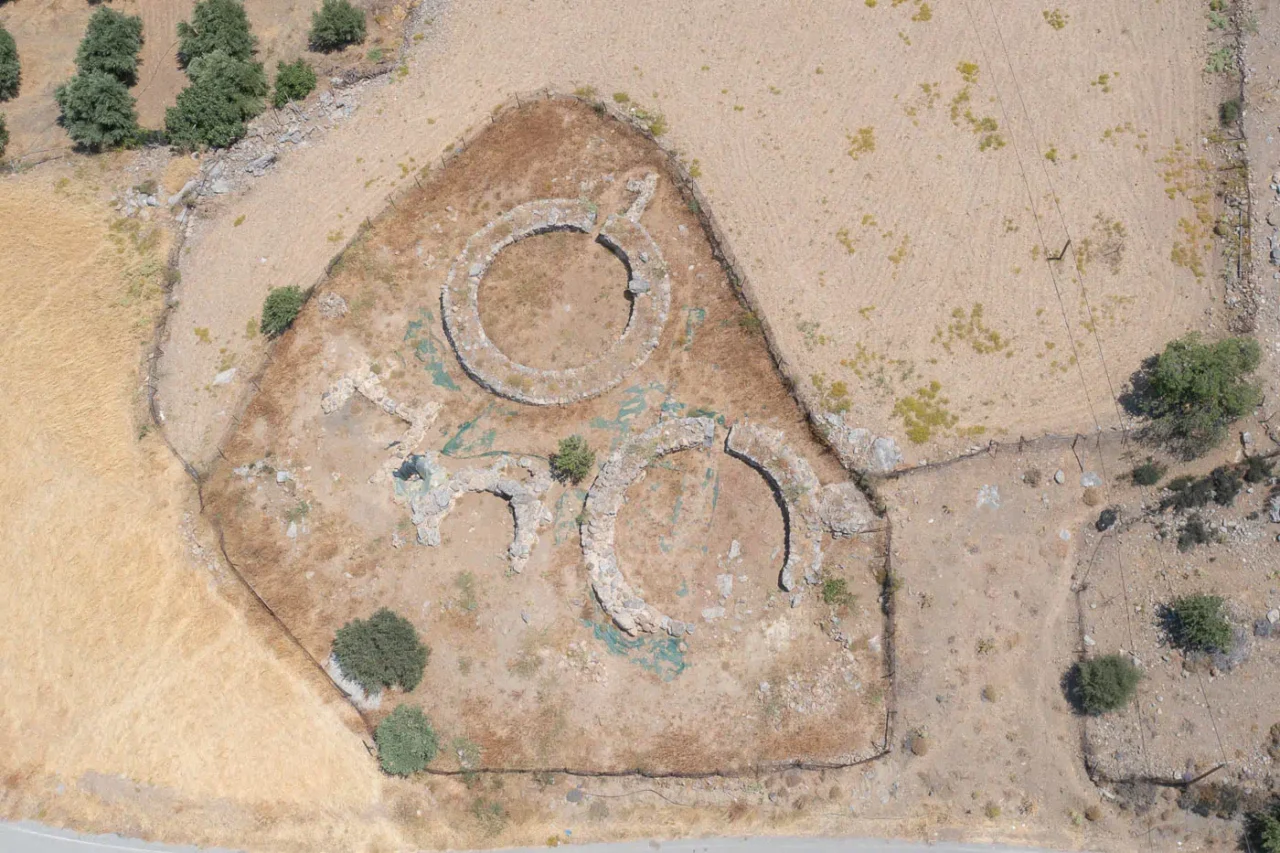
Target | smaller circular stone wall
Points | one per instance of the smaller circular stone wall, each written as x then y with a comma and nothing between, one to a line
649,287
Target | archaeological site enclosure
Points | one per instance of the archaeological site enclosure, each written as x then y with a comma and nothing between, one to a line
667,612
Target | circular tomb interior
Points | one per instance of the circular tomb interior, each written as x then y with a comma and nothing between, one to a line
555,300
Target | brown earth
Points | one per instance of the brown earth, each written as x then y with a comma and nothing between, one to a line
536,675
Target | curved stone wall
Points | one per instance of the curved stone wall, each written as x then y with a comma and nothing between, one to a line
649,288
625,466
429,508
793,480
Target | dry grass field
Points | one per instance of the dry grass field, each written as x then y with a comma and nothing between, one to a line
131,683
892,238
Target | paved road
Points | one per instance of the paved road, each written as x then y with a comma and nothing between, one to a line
29,837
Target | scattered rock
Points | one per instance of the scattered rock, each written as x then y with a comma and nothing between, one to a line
1090,480
724,585
332,306
225,377
261,163
711,613
1059,477
989,496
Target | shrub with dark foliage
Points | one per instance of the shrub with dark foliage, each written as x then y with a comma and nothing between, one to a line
215,25
406,741
1193,390
97,111
294,81
280,309
381,651
1103,684
335,25
1197,624
111,44
10,67
573,460
225,92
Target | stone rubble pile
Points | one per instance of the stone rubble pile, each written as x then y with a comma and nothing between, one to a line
857,448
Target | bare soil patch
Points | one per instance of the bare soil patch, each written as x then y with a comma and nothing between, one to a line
525,667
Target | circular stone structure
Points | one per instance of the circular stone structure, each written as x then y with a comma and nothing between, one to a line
648,285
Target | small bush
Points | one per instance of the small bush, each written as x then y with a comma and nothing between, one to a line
835,591
1103,684
1196,624
335,25
1193,390
1229,112
381,651
1195,531
1031,477
1263,828
1226,485
4,136
294,81
225,92
216,25
1257,469
573,461
10,67
97,111
111,44
406,741
1148,473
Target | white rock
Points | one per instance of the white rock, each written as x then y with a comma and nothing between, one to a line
225,377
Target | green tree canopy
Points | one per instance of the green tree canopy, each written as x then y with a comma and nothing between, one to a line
573,459
111,44
294,81
4,136
1197,624
1193,390
381,651
335,25
279,309
97,110
406,741
225,92
10,67
216,25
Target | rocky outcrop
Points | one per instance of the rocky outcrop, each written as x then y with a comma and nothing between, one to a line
648,283
608,493
858,448
442,489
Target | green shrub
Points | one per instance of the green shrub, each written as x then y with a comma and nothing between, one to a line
1195,531
1104,683
97,110
1193,390
10,67
294,81
111,44
1148,473
216,25
573,460
1196,624
280,309
225,92
381,651
1229,112
1257,469
1226,484
1263,830
335,25
406,741
4,136
835,591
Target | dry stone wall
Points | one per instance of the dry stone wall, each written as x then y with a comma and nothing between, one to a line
648,287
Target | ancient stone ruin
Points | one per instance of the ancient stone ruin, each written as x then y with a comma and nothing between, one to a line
809,509
441,489
364,381
648,288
